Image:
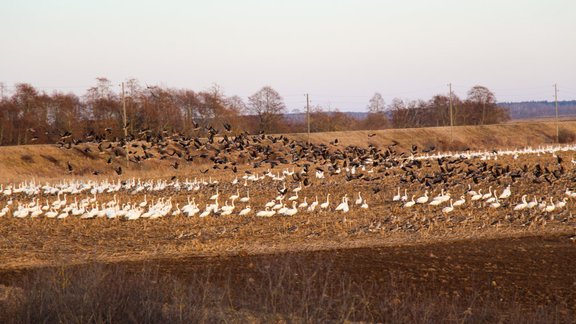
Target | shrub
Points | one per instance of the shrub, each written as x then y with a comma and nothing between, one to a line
27,158
566,136
286,289
50,159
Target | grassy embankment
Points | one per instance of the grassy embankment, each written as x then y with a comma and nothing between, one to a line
47,162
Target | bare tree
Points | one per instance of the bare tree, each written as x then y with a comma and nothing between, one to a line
64,113
376,104
440,104
236,104
32,109
2,90
104,105
377,118
268,105
29,116
482,97
188,102
134,94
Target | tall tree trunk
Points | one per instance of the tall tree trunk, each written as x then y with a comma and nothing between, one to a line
483,112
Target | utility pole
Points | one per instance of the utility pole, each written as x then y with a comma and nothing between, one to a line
308,116
556,108
125,123
451,116
124,112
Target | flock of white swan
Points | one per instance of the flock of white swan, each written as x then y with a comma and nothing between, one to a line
22,201
91,206
491,199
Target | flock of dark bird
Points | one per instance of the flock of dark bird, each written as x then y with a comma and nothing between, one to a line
227,151
224,150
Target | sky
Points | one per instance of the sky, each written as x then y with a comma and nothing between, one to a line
340,52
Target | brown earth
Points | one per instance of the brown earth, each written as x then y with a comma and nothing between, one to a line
47,162
531,272
526,259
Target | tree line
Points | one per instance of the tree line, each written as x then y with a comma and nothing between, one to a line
479,108
28,115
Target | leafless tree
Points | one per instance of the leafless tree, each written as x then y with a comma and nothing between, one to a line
377,118
268,105
236,104
376,104
30,116
482,97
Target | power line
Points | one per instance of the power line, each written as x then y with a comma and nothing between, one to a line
308,115
564,89
521,89
320,97
451,118
570,93
556,108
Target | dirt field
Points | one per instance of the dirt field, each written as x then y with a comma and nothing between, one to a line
534,271
47,162
475,256
510,279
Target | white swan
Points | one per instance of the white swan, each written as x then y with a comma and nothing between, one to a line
532,203
506,193
246,198
410,203
448,209
144,203
405,197
245,211
562,203
551,207
291,211
215,196
397,196
488,195
326,204
313,205
343,206
423,199
303,204
359,200
522,205
492,198
460,201
495,204
477,196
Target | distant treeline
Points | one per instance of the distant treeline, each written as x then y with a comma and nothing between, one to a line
30,116
539,109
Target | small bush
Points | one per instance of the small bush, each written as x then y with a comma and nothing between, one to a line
566,136
27,158
50,159
85,153
455,145
289,289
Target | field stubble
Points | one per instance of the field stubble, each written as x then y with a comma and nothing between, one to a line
475,257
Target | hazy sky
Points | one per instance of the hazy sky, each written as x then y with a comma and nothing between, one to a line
339,51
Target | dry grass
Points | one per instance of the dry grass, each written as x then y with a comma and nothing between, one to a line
47,162
284,288
37,242
509,135
40,242
75,294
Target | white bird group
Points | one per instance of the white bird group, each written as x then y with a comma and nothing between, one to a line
490,199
